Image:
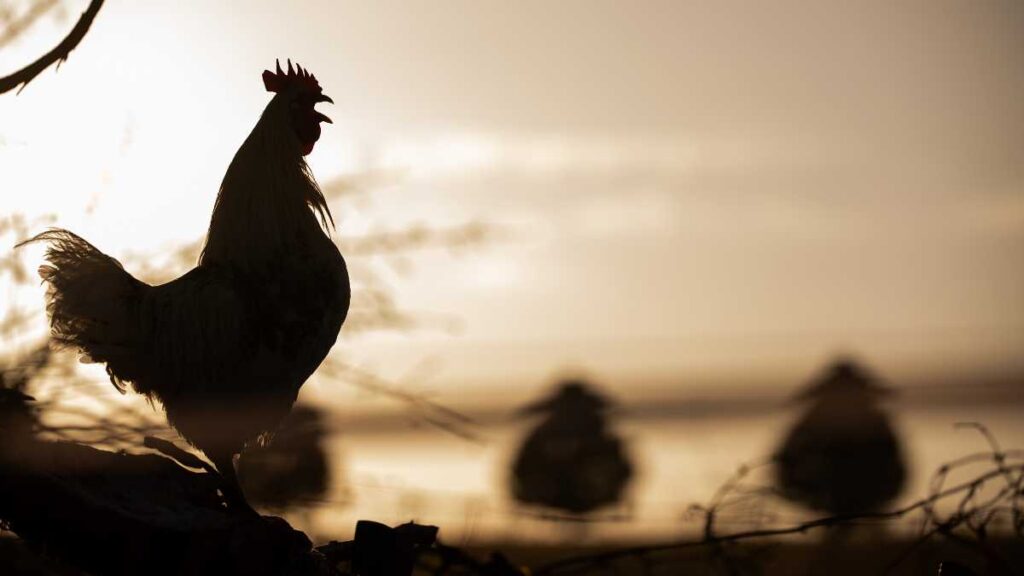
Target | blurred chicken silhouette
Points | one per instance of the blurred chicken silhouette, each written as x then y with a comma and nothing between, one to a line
292,470
842,457
18,417
571,461
226,347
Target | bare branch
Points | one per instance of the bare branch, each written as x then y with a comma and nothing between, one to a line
925,504
427,411
58,54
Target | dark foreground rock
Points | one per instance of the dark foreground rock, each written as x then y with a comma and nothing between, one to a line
110,513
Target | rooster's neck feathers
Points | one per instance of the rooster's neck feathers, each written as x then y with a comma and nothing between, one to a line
269,201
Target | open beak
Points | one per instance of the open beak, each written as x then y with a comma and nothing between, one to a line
316,113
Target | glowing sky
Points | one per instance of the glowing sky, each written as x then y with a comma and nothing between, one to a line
681,186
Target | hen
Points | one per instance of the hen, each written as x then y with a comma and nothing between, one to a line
226,347
573,460
843,456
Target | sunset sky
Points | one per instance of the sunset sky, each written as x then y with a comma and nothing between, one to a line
680,189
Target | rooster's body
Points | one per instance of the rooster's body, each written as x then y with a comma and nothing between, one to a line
226,347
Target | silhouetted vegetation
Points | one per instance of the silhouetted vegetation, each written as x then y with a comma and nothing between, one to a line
292,469
981,512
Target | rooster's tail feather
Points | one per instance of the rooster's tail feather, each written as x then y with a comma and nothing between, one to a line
92,302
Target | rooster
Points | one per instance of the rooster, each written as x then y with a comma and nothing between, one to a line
226,347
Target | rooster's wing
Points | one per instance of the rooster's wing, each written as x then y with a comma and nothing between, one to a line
193,334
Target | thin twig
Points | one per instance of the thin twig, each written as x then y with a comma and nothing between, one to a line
767,532
428,411
58,54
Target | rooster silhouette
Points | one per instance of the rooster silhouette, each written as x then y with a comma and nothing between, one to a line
226,347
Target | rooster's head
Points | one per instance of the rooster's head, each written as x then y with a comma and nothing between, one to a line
302,92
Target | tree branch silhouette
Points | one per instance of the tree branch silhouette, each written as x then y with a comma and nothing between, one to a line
57,55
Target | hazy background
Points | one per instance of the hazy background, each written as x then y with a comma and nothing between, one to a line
688,199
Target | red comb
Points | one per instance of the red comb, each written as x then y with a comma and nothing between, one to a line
278,81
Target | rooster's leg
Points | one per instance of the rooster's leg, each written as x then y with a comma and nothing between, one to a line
230,488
